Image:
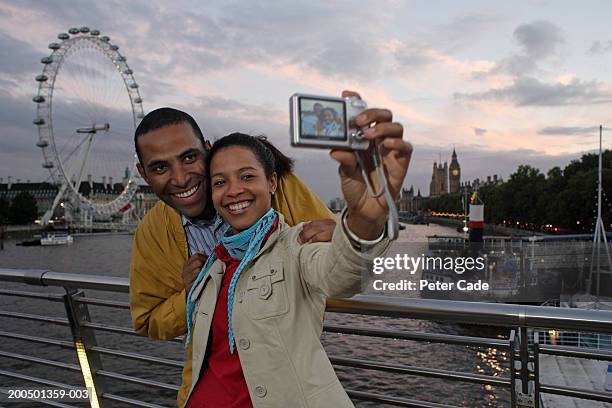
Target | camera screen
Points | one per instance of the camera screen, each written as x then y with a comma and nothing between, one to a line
322,119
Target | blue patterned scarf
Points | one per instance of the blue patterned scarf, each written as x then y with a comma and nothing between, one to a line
243,246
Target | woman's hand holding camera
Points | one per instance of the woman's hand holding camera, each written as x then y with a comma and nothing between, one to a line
367,215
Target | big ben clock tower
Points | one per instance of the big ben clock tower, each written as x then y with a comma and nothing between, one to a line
454,174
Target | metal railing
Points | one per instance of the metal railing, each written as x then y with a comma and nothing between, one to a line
521,343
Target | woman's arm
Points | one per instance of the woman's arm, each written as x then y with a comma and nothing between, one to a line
335,269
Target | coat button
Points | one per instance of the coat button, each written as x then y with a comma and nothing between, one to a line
273,271
264,290
260,391
244,344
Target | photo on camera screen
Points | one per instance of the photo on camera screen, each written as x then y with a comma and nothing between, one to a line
322,119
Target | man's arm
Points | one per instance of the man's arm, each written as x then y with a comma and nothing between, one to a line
157,295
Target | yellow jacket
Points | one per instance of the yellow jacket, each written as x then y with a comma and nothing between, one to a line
159,251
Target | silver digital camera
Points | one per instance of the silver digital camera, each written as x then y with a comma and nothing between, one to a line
326,122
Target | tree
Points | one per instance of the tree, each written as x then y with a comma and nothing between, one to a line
4,210
23,209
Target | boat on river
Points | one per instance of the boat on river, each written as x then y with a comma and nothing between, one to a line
56,237
526,270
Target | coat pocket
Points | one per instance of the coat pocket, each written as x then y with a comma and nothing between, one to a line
267,292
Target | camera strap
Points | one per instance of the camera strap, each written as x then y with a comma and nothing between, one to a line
393,217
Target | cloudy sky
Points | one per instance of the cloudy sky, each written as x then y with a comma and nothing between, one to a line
505,83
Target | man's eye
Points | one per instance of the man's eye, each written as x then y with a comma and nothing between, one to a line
160,168
190,158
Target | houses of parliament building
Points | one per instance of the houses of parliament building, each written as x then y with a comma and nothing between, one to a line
445,178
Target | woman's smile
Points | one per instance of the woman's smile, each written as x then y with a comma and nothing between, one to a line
239,207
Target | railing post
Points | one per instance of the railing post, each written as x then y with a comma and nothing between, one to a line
84,338
536,369
525,397
512,342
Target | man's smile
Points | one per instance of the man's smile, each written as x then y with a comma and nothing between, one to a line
187,193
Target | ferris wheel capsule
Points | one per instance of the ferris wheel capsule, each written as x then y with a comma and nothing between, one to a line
84,30
74,31
63,36
38,121
41,78
38,99
54,46
94,32
42,143
46,60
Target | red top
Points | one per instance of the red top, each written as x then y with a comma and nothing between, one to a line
222,383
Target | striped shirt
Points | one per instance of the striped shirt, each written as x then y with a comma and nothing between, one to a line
203,235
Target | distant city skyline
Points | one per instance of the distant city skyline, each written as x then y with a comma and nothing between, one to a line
505,84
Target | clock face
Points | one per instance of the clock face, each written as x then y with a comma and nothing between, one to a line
455,172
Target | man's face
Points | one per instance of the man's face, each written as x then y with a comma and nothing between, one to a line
328,117
317,108
173,165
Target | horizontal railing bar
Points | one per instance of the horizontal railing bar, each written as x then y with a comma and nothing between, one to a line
53,297
139,357
102,302
421,371
43,340
418,336
396,401
120,330
129,401
38,360
38,318
593,395
42,381
110,328
491,314
42,277
136,380
567,351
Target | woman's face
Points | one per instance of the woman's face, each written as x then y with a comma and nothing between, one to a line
241,192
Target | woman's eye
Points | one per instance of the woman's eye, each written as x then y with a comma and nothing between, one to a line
217,183
247,176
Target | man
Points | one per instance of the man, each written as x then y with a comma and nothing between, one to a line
175,237
310,120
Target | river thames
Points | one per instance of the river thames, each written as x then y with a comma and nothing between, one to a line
109,255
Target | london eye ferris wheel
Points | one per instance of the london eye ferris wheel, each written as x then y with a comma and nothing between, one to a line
87,107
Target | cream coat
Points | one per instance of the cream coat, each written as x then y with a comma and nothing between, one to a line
278,315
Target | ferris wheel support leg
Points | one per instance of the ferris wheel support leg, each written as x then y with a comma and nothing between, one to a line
87,150
49,214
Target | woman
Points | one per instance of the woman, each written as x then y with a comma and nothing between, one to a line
256,310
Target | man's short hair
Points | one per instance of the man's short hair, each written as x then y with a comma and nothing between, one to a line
162,117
